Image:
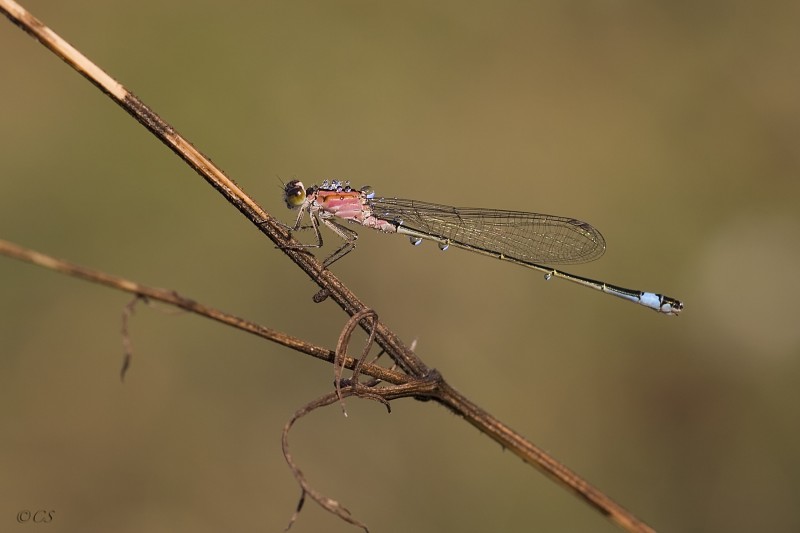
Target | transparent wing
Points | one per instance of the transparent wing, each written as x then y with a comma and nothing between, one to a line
531,237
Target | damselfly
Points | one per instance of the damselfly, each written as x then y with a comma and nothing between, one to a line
527,239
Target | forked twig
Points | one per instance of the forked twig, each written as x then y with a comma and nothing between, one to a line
423,382
420,388
174,299
329,504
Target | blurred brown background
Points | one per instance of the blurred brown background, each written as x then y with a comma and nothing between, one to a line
672,127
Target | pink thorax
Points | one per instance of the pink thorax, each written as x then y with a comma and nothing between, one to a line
351,206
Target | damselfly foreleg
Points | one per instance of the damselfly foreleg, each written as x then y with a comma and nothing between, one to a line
349,236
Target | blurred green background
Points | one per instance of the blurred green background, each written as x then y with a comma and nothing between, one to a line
672,127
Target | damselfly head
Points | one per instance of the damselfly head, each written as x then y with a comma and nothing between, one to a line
294,194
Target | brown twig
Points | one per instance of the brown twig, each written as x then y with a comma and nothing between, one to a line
174,299
329,504
419,388
328,283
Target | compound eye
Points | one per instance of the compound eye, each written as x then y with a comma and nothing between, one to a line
294,194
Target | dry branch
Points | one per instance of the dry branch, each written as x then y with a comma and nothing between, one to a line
420,381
